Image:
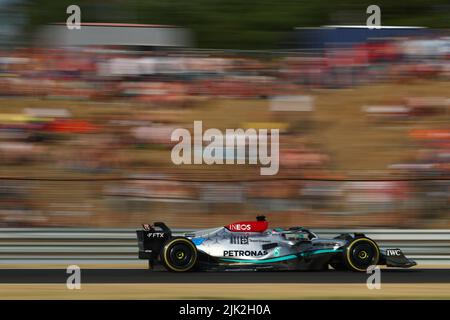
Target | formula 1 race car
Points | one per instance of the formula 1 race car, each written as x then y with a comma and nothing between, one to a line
251,245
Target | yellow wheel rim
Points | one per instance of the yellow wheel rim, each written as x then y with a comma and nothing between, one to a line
376,257
180,255
165,252
362,255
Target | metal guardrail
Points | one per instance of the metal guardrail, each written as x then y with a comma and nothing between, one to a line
67,245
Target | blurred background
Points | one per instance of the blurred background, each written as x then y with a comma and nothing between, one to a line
86,115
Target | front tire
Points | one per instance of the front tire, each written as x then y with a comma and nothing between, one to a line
179,255
361,253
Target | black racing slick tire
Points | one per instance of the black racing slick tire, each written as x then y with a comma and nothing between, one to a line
361,253
179,255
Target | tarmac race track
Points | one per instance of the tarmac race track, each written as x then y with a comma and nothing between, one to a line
50,276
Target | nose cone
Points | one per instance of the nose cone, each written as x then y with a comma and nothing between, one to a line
412,263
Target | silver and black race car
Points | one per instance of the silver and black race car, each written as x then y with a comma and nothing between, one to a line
251,245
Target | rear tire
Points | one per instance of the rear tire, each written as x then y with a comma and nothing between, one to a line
179,255
361,253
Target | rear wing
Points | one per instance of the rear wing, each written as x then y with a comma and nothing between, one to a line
151,238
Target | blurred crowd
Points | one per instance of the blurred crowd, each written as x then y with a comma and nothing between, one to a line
177,77
120,105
